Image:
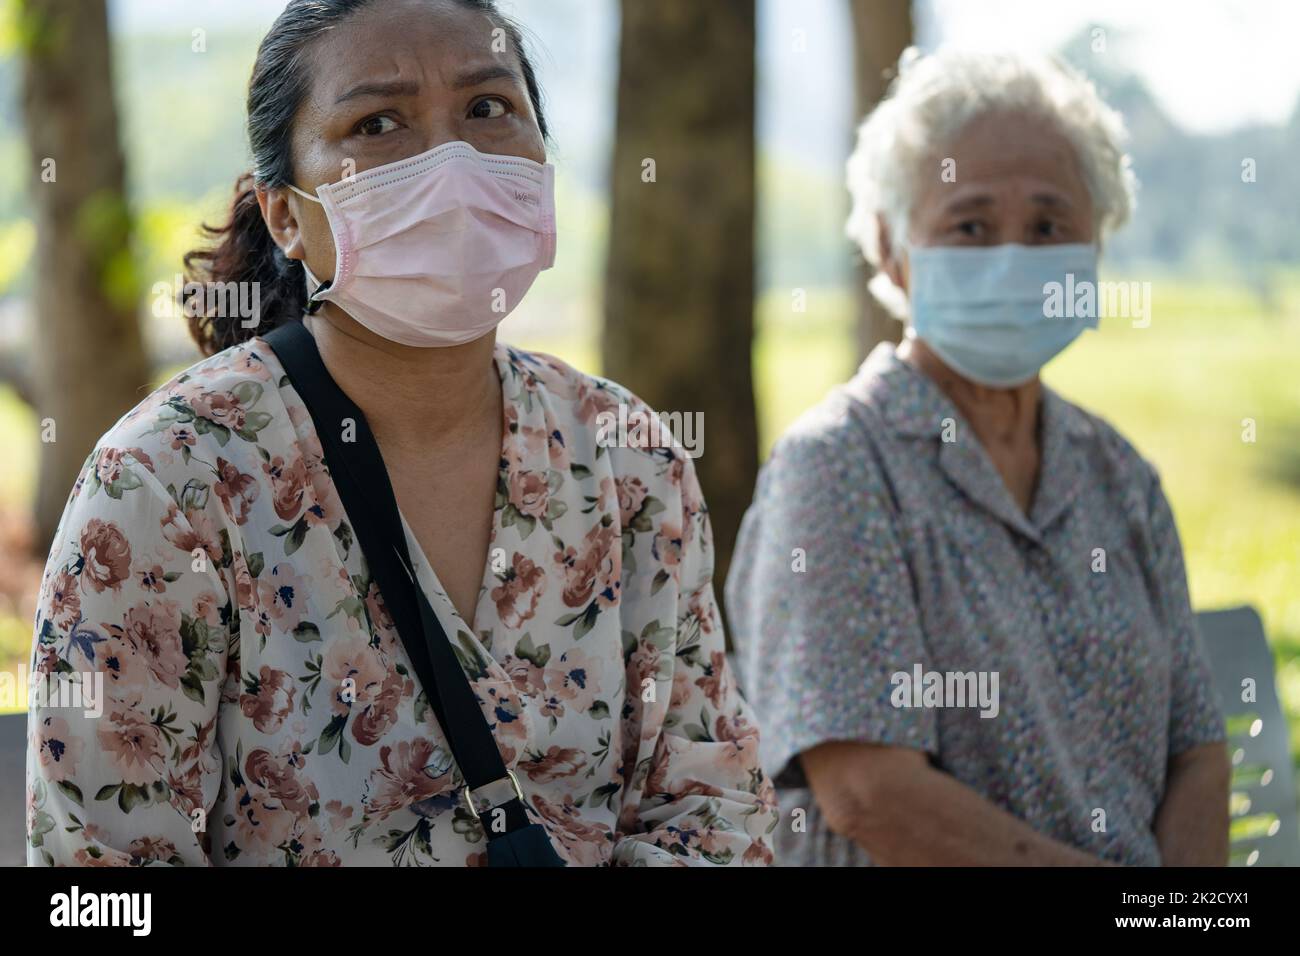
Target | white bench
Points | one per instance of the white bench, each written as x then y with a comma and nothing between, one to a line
13,788
1263,779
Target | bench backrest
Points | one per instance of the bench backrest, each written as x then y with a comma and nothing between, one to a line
1263,778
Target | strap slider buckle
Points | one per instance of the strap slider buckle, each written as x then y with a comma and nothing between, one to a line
490,801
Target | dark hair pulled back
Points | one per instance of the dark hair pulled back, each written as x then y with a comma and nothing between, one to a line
242,250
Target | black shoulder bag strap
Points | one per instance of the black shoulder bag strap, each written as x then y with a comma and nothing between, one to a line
492,793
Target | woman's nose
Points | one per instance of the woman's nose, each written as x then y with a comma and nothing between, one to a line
447,131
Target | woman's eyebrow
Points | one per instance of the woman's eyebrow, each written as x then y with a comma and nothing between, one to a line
1052,200
483,75
395,88
968,204
411,88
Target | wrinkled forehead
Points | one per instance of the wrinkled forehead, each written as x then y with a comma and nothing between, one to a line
998,157
410,46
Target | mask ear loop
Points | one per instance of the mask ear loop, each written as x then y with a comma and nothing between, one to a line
305,195
313,303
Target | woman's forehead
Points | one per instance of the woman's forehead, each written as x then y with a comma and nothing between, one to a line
412,45
1000,152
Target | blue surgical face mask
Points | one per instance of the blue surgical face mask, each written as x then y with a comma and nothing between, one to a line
998,314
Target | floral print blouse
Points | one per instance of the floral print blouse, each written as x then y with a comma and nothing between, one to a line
259,708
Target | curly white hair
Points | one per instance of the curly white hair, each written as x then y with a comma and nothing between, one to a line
932,99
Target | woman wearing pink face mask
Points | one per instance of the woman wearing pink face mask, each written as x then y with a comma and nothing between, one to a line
365,587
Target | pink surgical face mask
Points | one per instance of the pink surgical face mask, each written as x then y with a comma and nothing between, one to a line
438,249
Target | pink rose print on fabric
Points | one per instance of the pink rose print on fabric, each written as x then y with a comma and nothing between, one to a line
268,699
192,530
408,773
155,631
106,554
632,493
517,595
236,490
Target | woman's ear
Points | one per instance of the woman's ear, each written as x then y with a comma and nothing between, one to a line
281,222
893,262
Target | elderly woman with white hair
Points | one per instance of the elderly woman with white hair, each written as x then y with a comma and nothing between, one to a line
959,600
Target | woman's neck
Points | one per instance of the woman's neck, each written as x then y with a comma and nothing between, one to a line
412,398
1000,417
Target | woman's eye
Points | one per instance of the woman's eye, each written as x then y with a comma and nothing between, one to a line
376,125
1047,229
971,228
489,108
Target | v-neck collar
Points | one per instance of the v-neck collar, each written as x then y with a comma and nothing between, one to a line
523,449
915,407
453,624
524,421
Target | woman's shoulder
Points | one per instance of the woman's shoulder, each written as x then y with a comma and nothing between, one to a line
1103,439
563,387
1105,450
596,410
226,398
851,420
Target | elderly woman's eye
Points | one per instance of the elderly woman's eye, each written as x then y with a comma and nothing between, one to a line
376,125
489,108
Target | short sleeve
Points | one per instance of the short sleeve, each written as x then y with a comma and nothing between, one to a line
129,658
821,604
1195,715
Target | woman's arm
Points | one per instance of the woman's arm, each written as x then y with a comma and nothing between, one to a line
1192,823
904,812
134,607
705,799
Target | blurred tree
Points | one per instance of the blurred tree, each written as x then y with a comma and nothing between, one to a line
88,359
882,30
679,294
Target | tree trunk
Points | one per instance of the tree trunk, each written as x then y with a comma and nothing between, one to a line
679,297
882,30
88,357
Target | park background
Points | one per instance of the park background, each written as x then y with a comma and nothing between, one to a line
1204,85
